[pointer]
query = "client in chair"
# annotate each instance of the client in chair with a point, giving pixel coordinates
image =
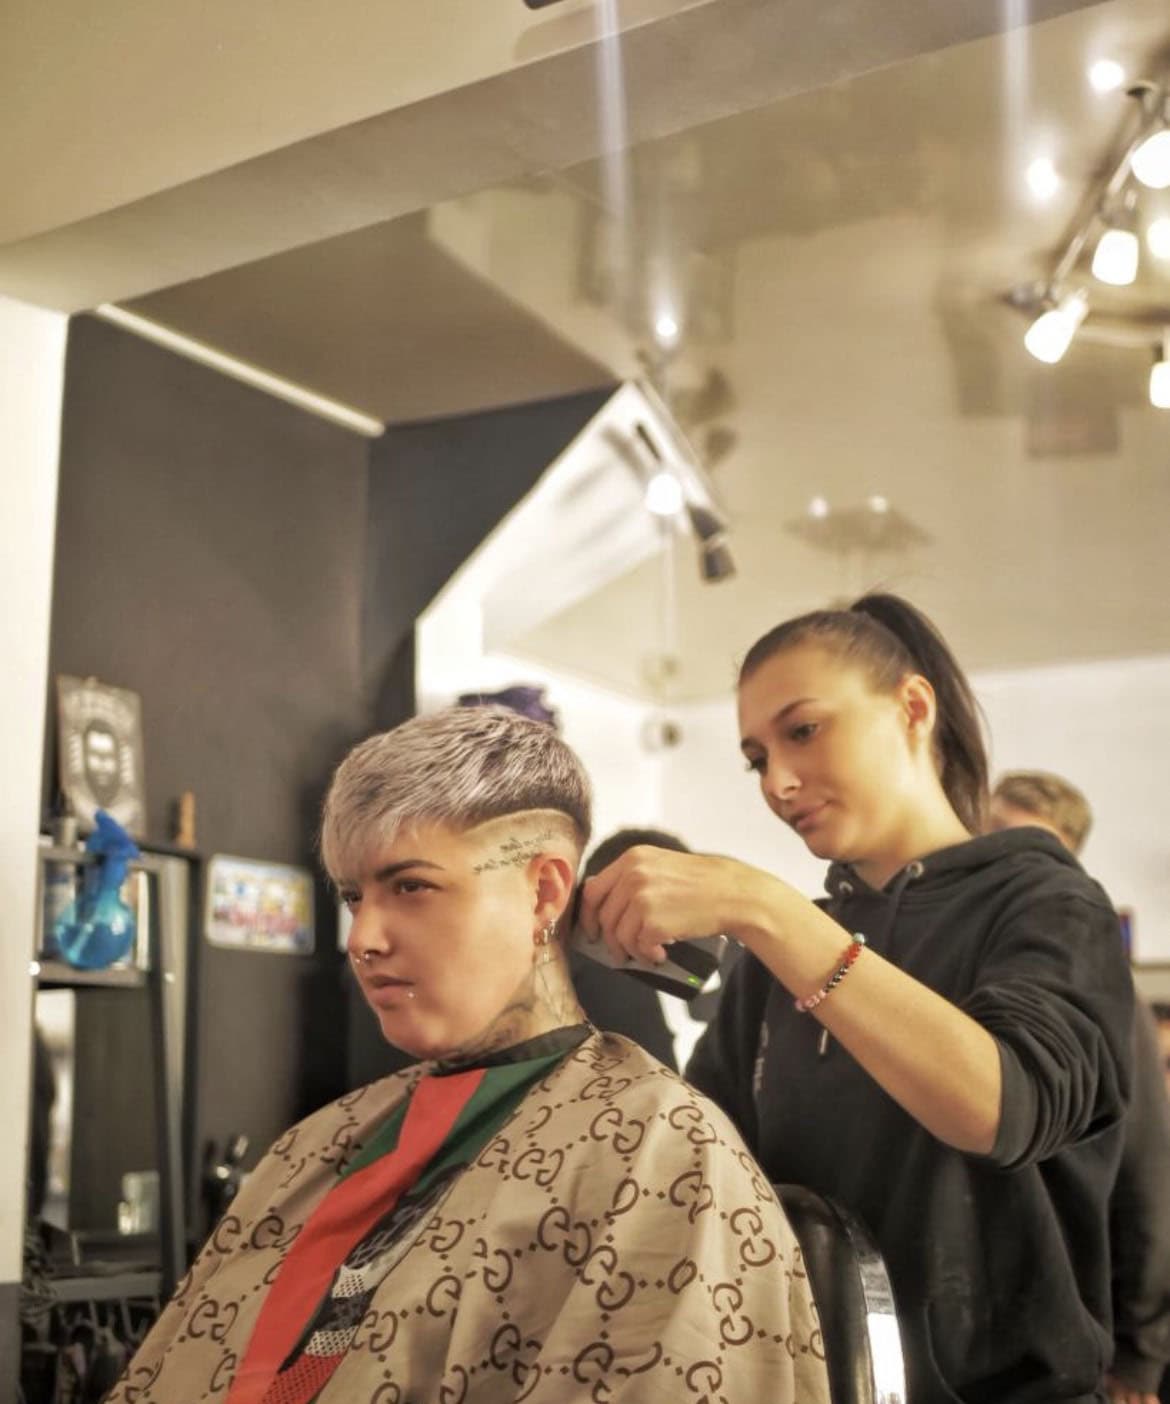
(539, 1211)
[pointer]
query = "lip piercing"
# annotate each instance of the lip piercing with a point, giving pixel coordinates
(365, 958)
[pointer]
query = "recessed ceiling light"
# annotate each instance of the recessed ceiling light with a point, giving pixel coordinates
(818, 507)
(1158, 237)
(1042, 177)
(666, 327)
(664, 494)
(1106, 75)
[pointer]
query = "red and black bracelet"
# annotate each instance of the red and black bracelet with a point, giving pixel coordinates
(811, 1001)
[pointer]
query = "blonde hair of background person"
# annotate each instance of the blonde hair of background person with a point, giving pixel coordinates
(951, 1079)
(539, 1210)
(1039, 797)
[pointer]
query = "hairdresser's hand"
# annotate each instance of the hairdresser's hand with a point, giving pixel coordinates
(650, 897)
(1121, 1393)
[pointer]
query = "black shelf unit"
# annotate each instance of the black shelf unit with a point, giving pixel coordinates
(57, 975)
(169, 876)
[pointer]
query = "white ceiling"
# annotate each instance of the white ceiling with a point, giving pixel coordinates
(834, 209)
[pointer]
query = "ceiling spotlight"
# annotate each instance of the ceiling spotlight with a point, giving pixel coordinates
(715, 561)
(1160, 377)
(1158, 237)
(879, 504)
(664, 494)
(818, 507)
(1051, 334)
(1043, 180)
(1116, 258)
(1151, 161)
(1106, 76)
(666, 328)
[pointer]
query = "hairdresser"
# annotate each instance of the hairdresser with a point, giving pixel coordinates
(942, 1043)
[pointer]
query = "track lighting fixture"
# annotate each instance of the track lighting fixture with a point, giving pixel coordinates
(1116, 258)
(1151, 160)
(677, 486)
(1158, 237)
(1111, 215)
(1051, 334)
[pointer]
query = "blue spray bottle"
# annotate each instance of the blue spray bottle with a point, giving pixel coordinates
(98, 928)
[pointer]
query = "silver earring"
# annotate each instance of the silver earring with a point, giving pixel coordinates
(543, 941)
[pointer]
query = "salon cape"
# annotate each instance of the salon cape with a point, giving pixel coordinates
(613, 1240)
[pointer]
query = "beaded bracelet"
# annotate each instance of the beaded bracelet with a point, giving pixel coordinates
(811, 1001)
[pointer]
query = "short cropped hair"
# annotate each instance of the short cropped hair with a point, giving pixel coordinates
(610, 849)
(459, 767)
(1050, 798)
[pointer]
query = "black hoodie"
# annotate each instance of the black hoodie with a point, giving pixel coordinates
(999, 1263)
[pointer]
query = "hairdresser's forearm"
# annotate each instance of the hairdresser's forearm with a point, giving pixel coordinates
(937, 1063)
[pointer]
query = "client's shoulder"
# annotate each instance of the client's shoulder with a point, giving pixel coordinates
(609, 1072)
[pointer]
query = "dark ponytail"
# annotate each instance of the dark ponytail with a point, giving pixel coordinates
(890, 638)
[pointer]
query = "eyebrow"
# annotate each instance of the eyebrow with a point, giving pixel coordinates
(779, 716)
(392, 870)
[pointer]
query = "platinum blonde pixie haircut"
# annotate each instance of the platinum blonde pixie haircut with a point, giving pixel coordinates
(459, 767)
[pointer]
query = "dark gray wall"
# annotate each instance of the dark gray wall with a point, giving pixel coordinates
(210, 557)
(255, 574)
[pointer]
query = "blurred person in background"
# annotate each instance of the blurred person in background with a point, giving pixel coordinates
(1139, 1219)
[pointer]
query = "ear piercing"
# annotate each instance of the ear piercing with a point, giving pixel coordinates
(543, 942)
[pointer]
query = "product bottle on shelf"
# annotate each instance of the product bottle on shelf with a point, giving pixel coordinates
(98, 928)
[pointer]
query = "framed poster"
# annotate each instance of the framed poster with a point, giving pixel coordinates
(259, 906)
(99, 731)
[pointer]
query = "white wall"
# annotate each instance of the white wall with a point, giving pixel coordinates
(1106, 727)
(32, 364)
(711, 799)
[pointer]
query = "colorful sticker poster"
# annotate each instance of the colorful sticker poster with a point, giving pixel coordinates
(259, 906)
(100, 744)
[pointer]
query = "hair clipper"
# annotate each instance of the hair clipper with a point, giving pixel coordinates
(688, 966)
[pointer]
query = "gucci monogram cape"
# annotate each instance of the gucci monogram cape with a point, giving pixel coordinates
(582, 1227)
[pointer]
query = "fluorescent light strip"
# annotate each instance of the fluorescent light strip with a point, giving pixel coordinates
(242, 370)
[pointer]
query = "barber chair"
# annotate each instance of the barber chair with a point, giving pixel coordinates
(855, 1302)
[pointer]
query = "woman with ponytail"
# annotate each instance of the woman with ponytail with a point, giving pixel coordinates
(942, 1043)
